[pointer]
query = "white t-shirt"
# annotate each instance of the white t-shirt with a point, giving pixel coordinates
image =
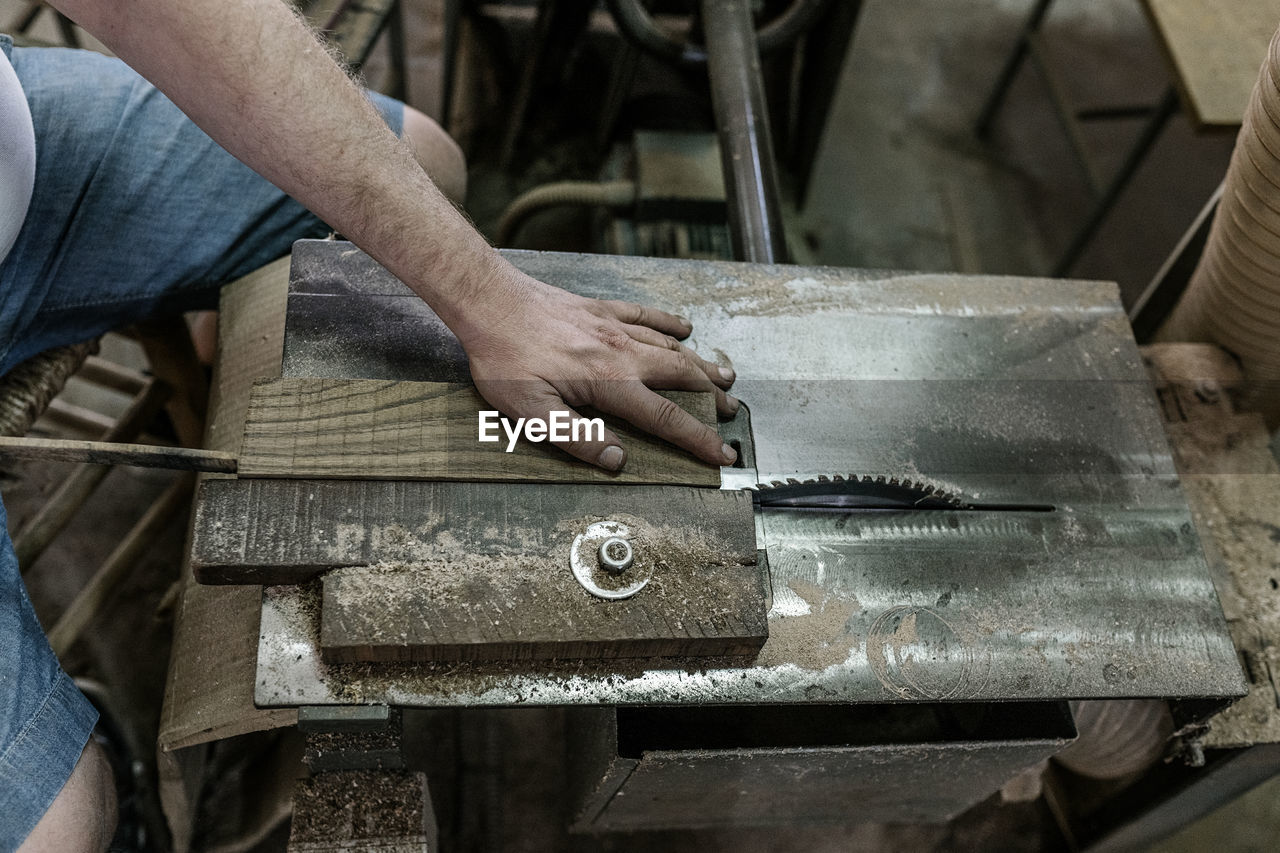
(17, 156)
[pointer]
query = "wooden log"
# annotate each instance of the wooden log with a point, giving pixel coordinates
(377, 429)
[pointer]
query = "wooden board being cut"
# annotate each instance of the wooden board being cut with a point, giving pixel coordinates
(485, 574)
(376, 429)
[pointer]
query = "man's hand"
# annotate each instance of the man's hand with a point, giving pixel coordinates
(535, 349)
(256, 80)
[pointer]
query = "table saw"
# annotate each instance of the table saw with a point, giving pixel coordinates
(1063, 563)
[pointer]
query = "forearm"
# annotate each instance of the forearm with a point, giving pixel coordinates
(255, 79)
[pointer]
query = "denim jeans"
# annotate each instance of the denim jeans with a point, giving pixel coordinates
(135, 212)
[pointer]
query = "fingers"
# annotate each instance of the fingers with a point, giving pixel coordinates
(598, 446)
(642, 315)
(659, 416)
(663, 330)
(722, 376)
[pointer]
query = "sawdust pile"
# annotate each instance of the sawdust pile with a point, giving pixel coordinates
(816, 640)
(351, 805)
(699, 587)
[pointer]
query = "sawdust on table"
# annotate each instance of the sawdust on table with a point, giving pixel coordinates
(818, 639)
(520, 681)
(761, 291)
(681, 560)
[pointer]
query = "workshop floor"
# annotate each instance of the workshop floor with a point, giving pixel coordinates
(899, 182)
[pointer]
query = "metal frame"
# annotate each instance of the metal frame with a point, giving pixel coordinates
(746, 143)
(1106, 191)
(1171, 280)
(869, 325)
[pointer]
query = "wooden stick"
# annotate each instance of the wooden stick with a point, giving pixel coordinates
(109, 453)
(62, 505)
(101, 371)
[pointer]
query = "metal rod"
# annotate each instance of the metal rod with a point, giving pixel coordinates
(1010, 70)
(451, 35)
(1116, 113)
(1167, 286)
(68, 30)
(399, 87)
(1066, 112)
(26, 18)
(1150, 133)
(742, 119)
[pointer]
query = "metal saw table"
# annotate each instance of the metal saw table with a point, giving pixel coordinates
(1004, 390)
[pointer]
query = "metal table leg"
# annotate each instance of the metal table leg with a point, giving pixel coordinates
(1167, 107)
(1011, 68)
(746, 146)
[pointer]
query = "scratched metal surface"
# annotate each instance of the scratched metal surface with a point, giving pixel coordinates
(1002, 389)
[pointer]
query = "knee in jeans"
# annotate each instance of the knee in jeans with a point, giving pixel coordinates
(83, 815)
(438, 154)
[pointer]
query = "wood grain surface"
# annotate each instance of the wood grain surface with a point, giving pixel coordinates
(1216, 50)
(500, 586)
(209, 692)
(376, 429)
(116, 453)
(274, 531)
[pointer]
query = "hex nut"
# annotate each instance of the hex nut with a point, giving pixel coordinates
(616, 555)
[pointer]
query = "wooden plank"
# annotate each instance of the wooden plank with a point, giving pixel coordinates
(1215, 49)
(117, 453)
(288, 531)
(489, 578)
(209, 692)
(172, 356)
(379, 429)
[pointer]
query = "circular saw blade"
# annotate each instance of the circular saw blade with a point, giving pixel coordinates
(855, 492)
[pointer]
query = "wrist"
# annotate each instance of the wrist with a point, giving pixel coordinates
(480, 296)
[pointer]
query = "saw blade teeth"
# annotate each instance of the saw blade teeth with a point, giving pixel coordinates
(924, 494)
